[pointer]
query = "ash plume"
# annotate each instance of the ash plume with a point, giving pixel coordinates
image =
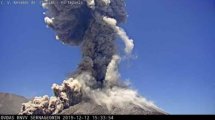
(93, 25)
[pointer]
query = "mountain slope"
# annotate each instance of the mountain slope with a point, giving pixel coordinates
(11, 103)
(95, 109)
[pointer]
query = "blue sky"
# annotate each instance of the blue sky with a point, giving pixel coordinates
(174, 45)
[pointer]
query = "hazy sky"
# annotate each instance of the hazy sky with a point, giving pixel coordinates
(174, 49)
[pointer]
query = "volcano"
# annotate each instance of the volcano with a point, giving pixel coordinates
(95, 87)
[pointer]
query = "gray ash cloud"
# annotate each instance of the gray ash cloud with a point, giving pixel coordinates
(80, 23)
(93, 25)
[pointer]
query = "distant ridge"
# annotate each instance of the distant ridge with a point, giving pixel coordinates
(11, 103)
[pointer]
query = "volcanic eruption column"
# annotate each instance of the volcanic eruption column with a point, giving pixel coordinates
(94, 26)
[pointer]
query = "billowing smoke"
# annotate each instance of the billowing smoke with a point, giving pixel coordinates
(93, 25)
